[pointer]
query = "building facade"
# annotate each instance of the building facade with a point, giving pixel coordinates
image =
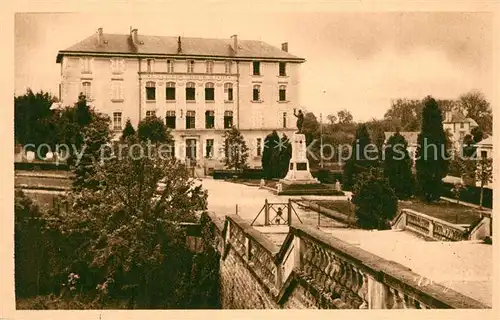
(199, 87)
(458, 127)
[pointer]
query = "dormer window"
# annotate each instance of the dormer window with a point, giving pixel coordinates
(190, 66)
(210, 66)
(170, 66)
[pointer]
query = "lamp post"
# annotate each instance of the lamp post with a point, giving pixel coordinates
(321, 139)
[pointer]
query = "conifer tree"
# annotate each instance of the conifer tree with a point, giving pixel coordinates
(128, 131)
(397, 166)
(235, 150)
(432, 155)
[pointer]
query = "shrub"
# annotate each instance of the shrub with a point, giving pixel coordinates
(376, 202)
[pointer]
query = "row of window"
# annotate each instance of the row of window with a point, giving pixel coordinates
(118, 66)
(170, 92)
(170, 119)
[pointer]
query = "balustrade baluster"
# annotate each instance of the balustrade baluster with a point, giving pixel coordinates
(363, 291)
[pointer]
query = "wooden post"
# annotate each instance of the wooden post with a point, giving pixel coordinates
(266, 213)
(289, 213)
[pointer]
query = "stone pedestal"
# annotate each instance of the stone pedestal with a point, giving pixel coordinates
(298, 168)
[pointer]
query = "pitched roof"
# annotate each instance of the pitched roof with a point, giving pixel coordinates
(485, 142)
(163, 45)
(472, 122)
(410, 136)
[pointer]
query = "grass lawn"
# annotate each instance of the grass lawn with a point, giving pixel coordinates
(341, 206)
(444, 210)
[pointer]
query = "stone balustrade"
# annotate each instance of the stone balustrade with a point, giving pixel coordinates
(327, 272)
(428, 226)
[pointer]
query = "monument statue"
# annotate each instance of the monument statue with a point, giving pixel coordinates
(300, 119)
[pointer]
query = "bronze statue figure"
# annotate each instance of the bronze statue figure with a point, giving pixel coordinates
(300, 119)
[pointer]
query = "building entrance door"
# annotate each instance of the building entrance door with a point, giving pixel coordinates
(191, 150)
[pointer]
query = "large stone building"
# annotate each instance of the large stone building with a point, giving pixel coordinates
(200, 87)
(458, 127)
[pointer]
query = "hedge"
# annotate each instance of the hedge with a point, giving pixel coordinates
(40, 166)
(472, 194)
(323, 175)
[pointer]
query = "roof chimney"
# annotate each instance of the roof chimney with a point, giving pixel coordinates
(234, 45)
(179, 45)
(133, 35)
(99, 36)
(284, 46)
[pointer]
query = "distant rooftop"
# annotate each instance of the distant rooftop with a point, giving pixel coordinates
(169, 45)
(410, 136)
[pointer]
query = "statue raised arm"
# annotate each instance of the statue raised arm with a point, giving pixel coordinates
(300, 119)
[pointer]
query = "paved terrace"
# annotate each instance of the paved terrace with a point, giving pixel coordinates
(464, 266)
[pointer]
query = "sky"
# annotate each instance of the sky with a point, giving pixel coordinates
(354, 60)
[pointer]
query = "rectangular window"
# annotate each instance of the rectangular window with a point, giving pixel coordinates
(150, 65)
(284, 119)
(256, 68)
(282, 93)
(228, 119)
(461, 125)
(170, 66)
(282, 69)
(117, 90)
(484, 154)
(228, 91)
(190, 120)
(210, 66)
(209, 119)
(170, 119)
(117, 121)
(259, 147)
(256, 93)
(170, 149)
(209, 148)
(117, 65)
(190, 66)
(150, 91)
(228, 67)
(209, 92)
(190, 91)
(170, 91)
(150, 113)
(86, 65)
(87, 90)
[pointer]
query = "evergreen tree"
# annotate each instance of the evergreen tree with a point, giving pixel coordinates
(397, 166)
(363, 156)
(284, 155)
(432, 154)
(128, 131)
(153, 128)
(269, 159)
(375, 200)
(235, 150)
(484, 173)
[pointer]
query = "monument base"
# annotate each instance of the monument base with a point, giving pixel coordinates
(298, 169)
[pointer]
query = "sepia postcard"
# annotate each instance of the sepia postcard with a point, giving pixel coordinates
(224, 158)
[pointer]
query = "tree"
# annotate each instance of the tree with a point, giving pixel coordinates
(332, 118)
(484, 174)
(363, 156)
(375, 201)
(432, 152)
(405, 114)
(269, 159)
(284, 155)
(457, 190)
(128, 131)
(125, 235)
(478, 108)
(33, 118)
(235, 150)
(344, 116)
(397, 166)
(152, 128)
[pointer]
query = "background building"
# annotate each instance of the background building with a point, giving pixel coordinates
(200, 87)
(459, 126)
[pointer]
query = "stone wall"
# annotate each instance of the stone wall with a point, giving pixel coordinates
(314, 270)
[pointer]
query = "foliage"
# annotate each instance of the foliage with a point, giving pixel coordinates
(478, 108)
(128, 131)
(406, 114)
(375, 200)
(457, 190)
(432, 153)
(125, 235)
(276, 155)
(484, 174)
(344, 116)
(363, 156)
(397, 166)
(33, 121)
(152, 128)
(235, 150)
